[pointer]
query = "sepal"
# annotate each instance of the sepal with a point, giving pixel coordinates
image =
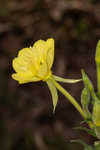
(85, 100)
(54, 93)
(60, 79)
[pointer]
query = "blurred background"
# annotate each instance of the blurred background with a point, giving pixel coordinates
(27, 121)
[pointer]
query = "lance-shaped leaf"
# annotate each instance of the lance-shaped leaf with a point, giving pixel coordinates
(54, 93)
(60, 79)
(97, 60)
(88, 85)
(85, 100)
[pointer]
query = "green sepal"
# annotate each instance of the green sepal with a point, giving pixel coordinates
(96, 113)
(54, 93)
(87, 82)
(97, 56)
(97, 60)
(86, 146)
(60, 79)
(85, 100)
(96, 118)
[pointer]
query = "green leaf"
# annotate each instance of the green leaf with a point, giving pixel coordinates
(96, 118)
(60, 79)
(54, 93)
(97, 60)
(85, 100)
(97, 56)
(96, 113)
(86, 146)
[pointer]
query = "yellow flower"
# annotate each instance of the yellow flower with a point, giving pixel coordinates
(34, 63)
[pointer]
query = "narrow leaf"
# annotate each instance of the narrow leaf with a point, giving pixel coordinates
(97, 60)
(60, 79)
(54, 93)
(97, 56)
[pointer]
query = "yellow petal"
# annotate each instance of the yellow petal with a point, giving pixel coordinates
(24, 77)
(39, 49)
(50, 52)
(19, 64)
(29, 56)
(26, 52)
(26, 61)
(43, 71)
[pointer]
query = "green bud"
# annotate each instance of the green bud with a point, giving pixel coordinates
(87, 82)
(85, 100)
(97, 56)
(96, 113)
(97, 60)
(96, 118)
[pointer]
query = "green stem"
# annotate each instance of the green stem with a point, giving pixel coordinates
(69, 97)
(98, 78)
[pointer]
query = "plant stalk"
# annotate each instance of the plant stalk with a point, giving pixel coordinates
(98, 78)
(69, 97)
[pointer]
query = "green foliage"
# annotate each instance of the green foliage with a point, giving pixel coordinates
(97, 56)
(89, 92)
(97, 60)
(96, 113)
(85, 100)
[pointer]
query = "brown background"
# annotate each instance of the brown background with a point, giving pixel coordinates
(26, 118)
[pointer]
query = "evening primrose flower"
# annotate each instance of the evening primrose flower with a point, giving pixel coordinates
(34, 64)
